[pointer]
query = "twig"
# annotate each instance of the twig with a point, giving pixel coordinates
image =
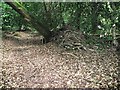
(71, 55)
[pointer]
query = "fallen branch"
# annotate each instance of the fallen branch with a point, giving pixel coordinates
(71, 55)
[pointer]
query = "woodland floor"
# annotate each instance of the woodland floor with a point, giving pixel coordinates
(26, 63)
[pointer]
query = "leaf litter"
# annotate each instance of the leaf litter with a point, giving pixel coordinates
(64, 63)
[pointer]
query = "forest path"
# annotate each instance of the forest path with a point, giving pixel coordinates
(28, 64)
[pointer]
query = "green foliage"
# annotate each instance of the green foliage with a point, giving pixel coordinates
(11, 19)
(90, 18)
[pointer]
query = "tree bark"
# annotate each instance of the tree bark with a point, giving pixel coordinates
(94, 20)
(78, 14)
(43, 30)
(47, 8)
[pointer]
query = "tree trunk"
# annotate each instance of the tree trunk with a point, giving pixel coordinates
(61, 17)
(78, 14)
(30, 19)
(47, 8)
(94, 18)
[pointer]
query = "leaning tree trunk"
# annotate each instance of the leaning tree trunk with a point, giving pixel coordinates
(30, 19)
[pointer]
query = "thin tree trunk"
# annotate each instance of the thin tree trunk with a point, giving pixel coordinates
(94, 20)
(78, 14)
(60, 6)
